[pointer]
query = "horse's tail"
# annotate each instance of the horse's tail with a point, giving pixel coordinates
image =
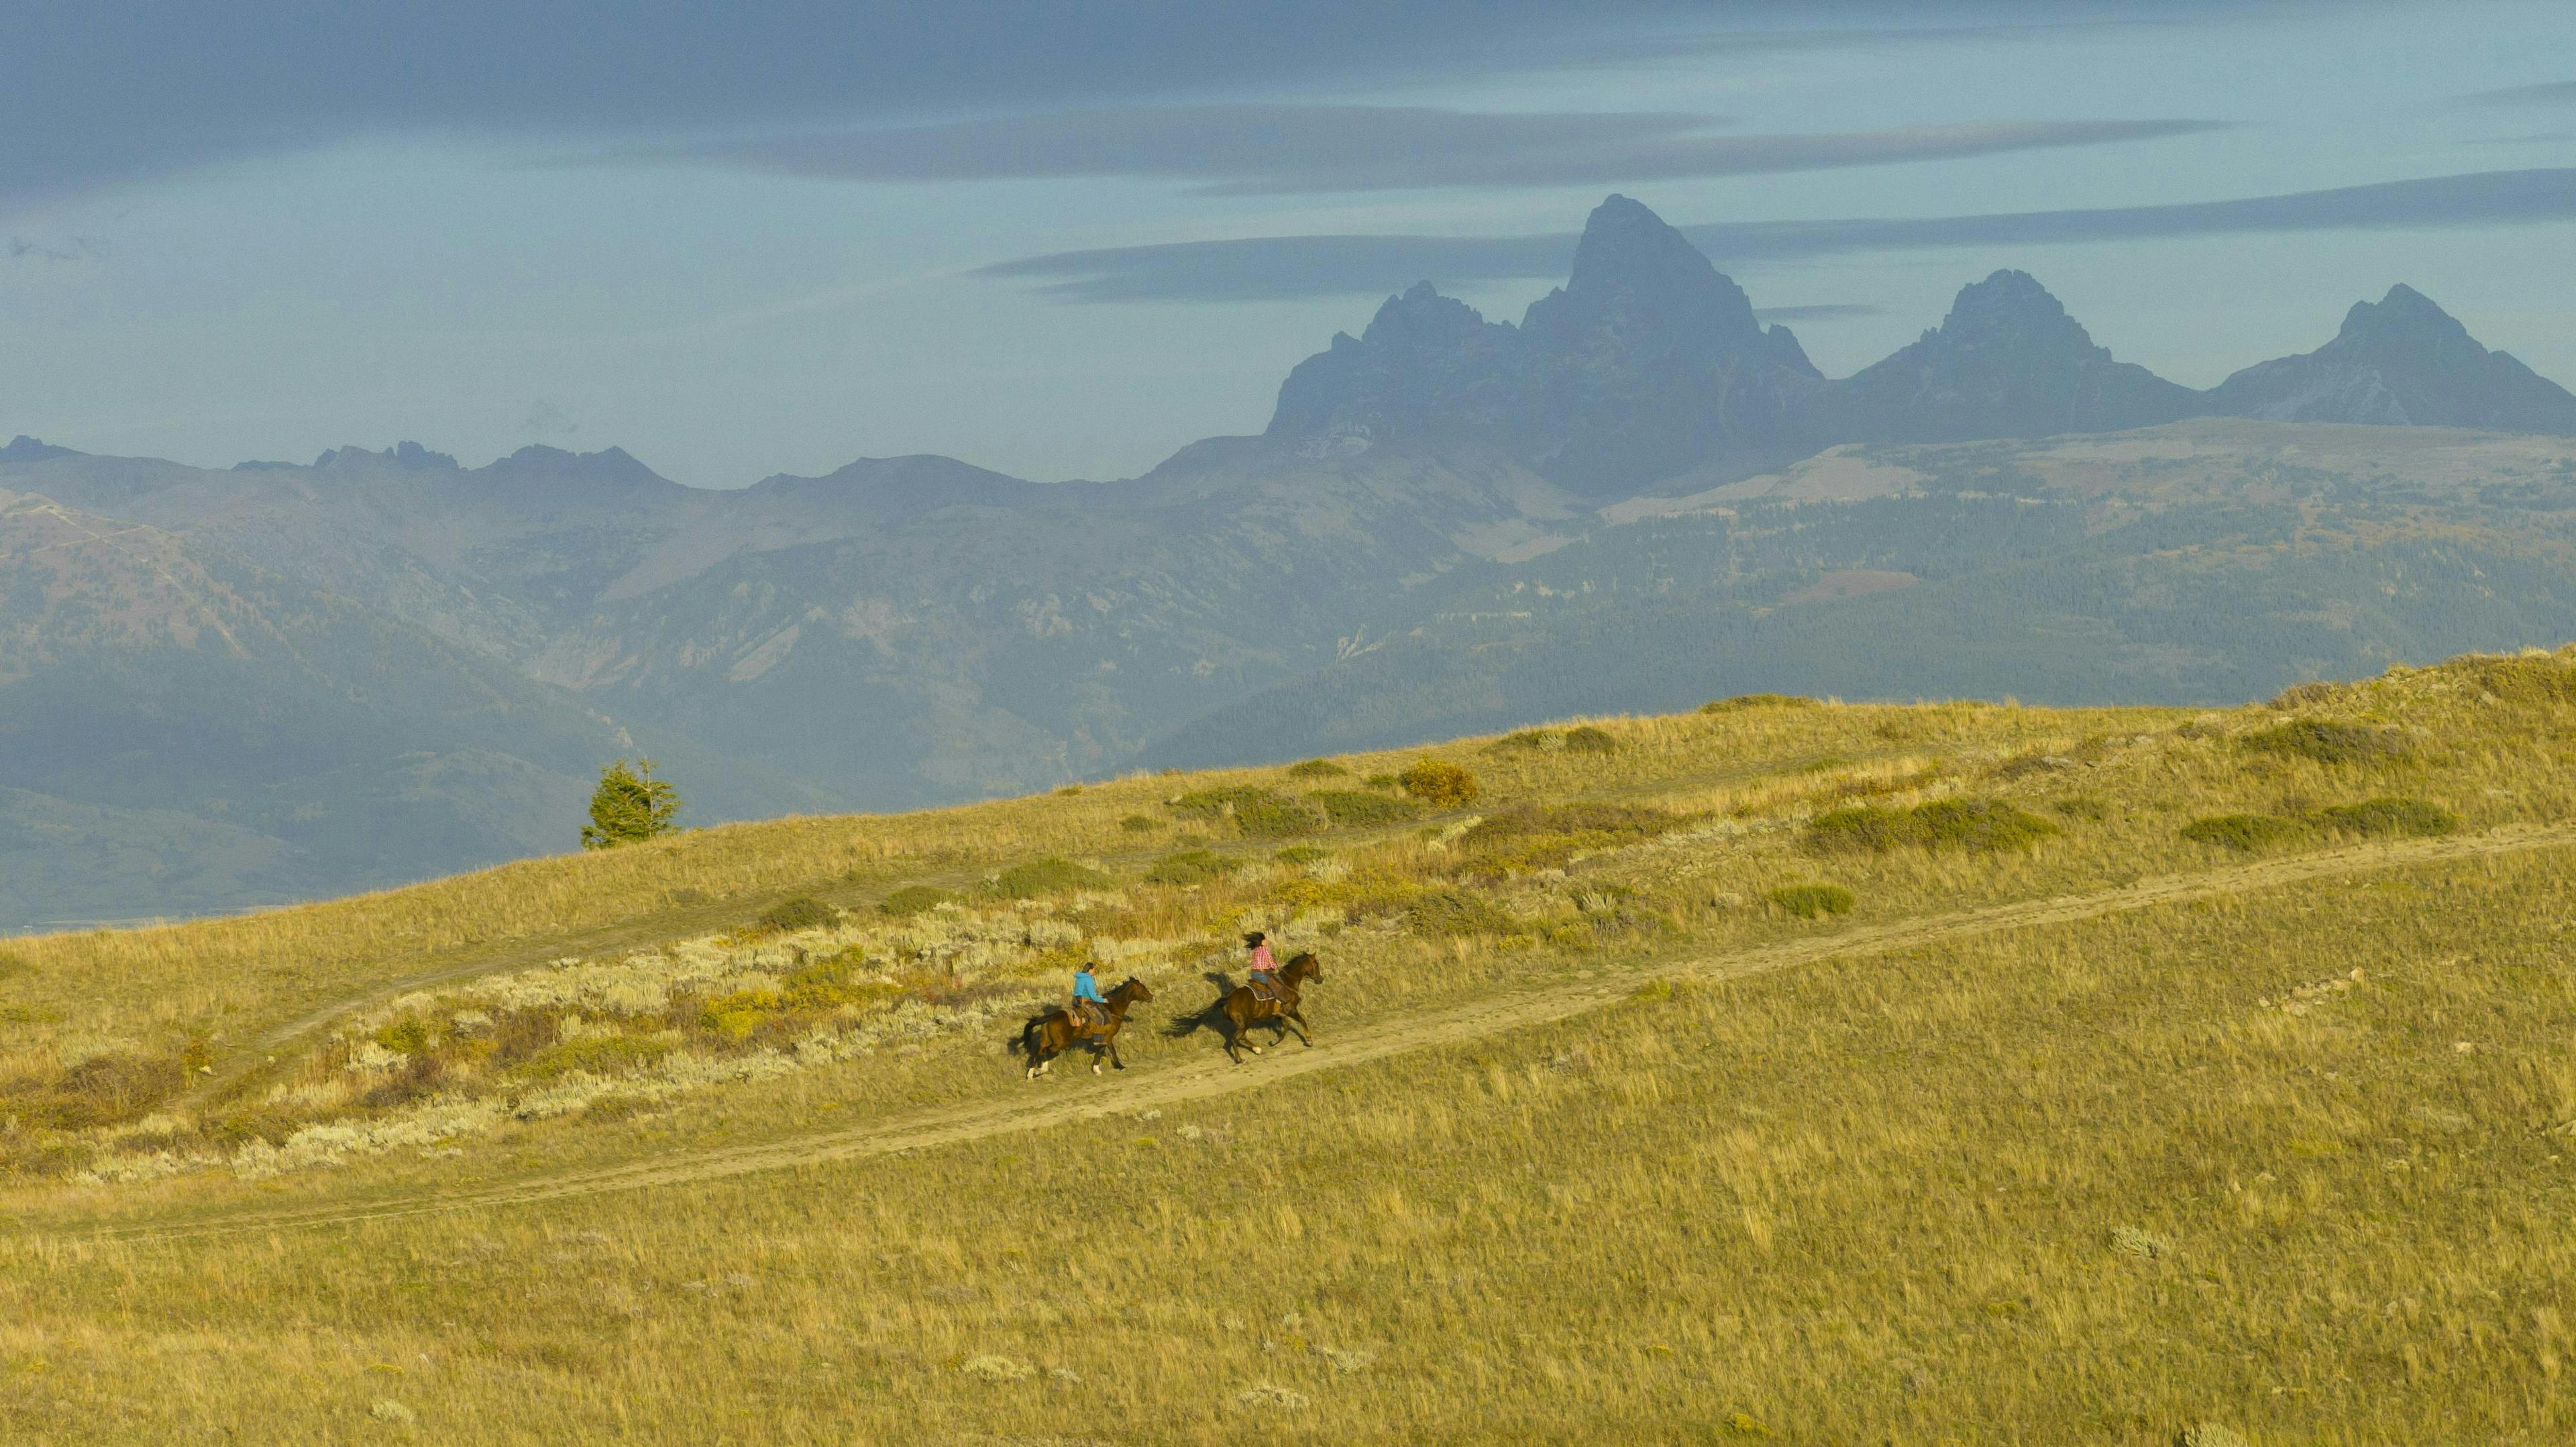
(1027, 1044)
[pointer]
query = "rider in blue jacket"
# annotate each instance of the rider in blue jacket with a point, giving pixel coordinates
(1088, 1007)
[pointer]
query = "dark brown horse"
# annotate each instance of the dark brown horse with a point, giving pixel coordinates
(1241, 1009)
(1053, 1033)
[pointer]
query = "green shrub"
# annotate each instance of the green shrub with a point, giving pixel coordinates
(1139, 824)
(2415, 818)
(1302, 854)
(1548, 836)
(1743, 701)
(1438, 784)
(596, 1055)
(1590, 740)
(2245, 833)
(912, 899)
(1217, 802)
(800, 913)
(1353, 809)
(1316, 769)
(1869, 828)
(406, 1036)
(1530, 739)
(1813, 901)
(1192, 866)
(1446, 913)
(1982, 825)
(1047, 876)
(1277, 817)
(2328, 742)
(1258, 812)
(1985, 825)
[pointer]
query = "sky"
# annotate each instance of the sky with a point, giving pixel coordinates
(1063, 241)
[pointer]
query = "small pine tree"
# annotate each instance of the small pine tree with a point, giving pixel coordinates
(630, 805)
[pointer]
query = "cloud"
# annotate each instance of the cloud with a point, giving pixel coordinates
(100, 91)
(2553, 92)
(1271, 149)
(1267, 268)
(76, 248)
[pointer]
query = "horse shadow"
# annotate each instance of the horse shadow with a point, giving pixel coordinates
(1210, 1016)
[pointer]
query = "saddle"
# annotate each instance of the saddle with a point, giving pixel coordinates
(1266, 989)
(1088, 1016)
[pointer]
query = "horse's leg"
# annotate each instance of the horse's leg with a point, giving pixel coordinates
(1111, 1041)
(1302, 1036)
(1233, 1034)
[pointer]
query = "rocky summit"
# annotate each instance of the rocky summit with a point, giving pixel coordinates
(1647, 363)
(2007, 362)
(2401, 362)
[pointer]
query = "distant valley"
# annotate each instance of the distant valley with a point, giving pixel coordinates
(229, 688)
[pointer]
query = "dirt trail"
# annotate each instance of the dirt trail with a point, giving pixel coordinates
(1214, 1076)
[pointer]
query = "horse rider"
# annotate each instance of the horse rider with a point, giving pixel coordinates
(1265, 970)
(1089, 1010)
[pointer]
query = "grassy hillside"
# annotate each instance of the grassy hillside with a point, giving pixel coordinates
(1782, 1071)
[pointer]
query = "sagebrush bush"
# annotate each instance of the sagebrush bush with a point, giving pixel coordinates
(1530, 739)
(1316, 769)
(2245, 833)
(1047, 876)
(1217, 802)
(801, 913)
(1351, 808)
(1449, 913)
(1981, 825)
(1277, 817)
(1589, 740)
(1257, 812)
(912, 899)
(1192, 866)
(1812, 901)
(1439, 784)
(1548, 836)
(607, 1054)
(2413, 818)
(2327, 741)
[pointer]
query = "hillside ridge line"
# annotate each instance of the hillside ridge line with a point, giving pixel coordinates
(1215, 1076)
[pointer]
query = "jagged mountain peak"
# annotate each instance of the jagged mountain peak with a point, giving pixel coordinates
(1422, 317)
(1634, 274)
(2011, 308)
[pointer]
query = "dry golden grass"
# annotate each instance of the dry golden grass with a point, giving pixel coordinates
(2098, 1181)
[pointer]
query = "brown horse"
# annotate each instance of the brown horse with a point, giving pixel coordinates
(1055, 1032)
(1240, 1009)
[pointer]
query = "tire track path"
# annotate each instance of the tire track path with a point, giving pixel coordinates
(1215, 1076)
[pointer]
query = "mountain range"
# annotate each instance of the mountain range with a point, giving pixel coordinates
(231, 687)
